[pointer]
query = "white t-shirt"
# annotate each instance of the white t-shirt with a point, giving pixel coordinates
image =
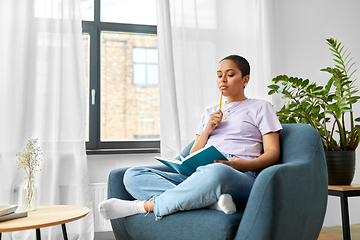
(240, 133)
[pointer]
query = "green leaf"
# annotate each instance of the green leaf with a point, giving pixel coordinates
(305, 83)
(341, 49)
(271, 92)
(343, 69)
(346, 109)
(311, 87)
(345, 82)
(328, 69)
(273, 87)
(329, 84)
(318, 88)
(352, 100)
(339, 62)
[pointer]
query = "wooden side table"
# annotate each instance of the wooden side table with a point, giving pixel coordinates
(345, 191)
(45, 216)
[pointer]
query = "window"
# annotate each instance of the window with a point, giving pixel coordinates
(120, 49)
(145, 67)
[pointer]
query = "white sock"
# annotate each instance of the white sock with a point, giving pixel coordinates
(117, 208)
(225, 204)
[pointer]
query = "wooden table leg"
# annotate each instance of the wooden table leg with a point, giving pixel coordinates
(38, 235)
(64, 231)
(345, 217)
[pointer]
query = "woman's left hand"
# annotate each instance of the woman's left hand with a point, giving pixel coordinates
(239, 164)
(271, 146)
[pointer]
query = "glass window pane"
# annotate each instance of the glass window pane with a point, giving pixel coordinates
(139, 74)
(128, 111)
(87, 10)
(144, 11)
(139, 55)
(86, 43)
(152, 75)
(152, 55)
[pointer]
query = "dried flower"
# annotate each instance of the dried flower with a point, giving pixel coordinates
(29, 159)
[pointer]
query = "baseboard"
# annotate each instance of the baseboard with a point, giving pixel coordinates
(109, 235)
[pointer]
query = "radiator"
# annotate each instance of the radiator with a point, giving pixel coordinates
(98, 194)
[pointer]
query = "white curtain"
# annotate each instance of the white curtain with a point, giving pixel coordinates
(193, 36)
(42, 94)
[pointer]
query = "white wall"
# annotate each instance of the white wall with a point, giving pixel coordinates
(101, 165)
(299, 49)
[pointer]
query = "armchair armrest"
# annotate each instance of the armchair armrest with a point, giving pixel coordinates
(116, 189)
(287, 201)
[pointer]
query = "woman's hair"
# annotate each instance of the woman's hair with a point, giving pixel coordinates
(241, 63)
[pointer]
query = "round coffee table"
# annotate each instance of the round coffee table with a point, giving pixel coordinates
(45, 216)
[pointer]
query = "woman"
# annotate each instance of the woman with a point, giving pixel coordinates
(245, 130)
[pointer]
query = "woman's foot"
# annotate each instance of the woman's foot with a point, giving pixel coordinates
(116, 208)
(225, 204)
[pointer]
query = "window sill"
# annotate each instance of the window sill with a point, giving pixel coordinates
(122, 151)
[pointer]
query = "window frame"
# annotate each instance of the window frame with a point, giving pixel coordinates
(94, 145)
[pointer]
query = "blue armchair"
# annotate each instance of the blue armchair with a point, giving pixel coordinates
(287, 201)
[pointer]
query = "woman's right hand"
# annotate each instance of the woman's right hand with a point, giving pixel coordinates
(214, 121)
(201, 140)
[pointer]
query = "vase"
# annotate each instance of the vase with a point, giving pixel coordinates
(341, 167)
(29, 193)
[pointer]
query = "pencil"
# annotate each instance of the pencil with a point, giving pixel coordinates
(220, 101)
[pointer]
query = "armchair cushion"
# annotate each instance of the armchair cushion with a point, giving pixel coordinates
(185, 225)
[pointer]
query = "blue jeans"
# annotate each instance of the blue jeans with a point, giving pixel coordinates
(174, 192)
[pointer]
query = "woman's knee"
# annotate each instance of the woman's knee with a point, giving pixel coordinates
(131, 175)
(217, 171)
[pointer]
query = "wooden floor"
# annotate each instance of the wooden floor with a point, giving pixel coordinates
(327, 236)
(327, 233)
(335, 233)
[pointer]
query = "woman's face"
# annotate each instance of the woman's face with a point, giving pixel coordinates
(230, 81)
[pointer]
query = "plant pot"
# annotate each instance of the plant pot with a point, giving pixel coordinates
(340, 166)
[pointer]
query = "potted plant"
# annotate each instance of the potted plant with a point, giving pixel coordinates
(329, 109)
